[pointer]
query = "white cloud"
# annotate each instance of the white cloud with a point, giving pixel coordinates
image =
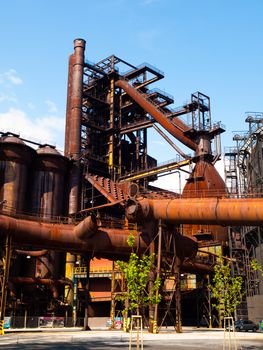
(52, 122)
(46, 129)
(10, 76)
(52, 107)
(7, 97)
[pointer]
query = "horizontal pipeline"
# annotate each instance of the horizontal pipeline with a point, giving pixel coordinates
(67, 237)
(213, 211)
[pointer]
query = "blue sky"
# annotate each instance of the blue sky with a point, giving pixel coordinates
(214, 46)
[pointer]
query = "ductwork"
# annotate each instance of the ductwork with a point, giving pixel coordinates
(66, 237)
(33, 253)
(213, 211)
(52, 284)
(84, 238)
(175, 128)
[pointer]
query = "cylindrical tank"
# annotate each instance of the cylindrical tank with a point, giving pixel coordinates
(15, 158)
(205, 181)
(50, 168)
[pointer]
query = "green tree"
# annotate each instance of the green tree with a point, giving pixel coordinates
(226, 290)
(256, 266)
(136, 274)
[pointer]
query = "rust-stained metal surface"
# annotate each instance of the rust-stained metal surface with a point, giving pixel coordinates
(205, 181)
(51, 283)
(175, 128)
(76, 80)
(15, 159)
(73, 125)
(66, 237)
(48, 199)
(84, 237)
(68, 109)
(48, 186)
(33, 253)
(214, 211)
(107, 168)
(111, 190)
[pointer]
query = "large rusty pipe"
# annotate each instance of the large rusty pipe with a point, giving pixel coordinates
(175, 128)
(105, 242)
(74, 132)
(33, 253)
(64, 238)
(52, 284)
(76, 98)
(86, 228)
(213, 211)
(44, 281)
(68, 111)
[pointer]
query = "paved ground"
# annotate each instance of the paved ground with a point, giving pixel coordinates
(191, 338)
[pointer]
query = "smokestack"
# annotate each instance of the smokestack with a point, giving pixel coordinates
(76, 98)
(73, 124)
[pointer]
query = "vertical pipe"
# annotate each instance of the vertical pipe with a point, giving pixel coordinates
(137, 151)
(151, 282)
(76, 98)
(75, 122)
(75, 291)
(69, 274)
(178, 316)
(158, 266)
(68, 112)
(113, 295)
(5, 277)
(87, 291)
(209, 302)
(111, 140)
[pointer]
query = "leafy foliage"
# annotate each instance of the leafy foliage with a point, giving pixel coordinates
(136, 274)
(226, 290)
(256, 266)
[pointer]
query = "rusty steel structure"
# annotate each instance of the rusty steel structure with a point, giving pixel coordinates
(58, 210)
(244, 174)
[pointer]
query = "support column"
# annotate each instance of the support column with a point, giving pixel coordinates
(69, 273)
(111, 138)
(159, 260)
(151, 281)
(178, 316)
(87, 294)
(113, 287)
(153, 309)
(209, 302)
(5, 280)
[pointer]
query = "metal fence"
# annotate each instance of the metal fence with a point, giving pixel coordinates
(19, 322)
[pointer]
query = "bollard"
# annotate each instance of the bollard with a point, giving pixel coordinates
(124, 325)
(154, 327)
(128, 325)
(2, 322)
